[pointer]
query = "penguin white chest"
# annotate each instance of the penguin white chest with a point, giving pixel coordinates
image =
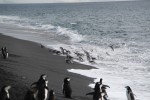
(46, 94)
(128, 95)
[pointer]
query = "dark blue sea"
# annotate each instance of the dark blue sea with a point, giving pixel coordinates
(96, 28)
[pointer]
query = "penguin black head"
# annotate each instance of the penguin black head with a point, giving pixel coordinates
(101, 80)
(43, 76)
(128, 88)
(67, 79)
(51, 92)
(97, 86)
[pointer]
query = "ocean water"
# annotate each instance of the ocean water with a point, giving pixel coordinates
(93, 27)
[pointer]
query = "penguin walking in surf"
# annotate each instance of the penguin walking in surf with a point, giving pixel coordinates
(96, 94)
(104, 95)
(66, 87)
(129, 93)
(4, 93)
(99, 91)
(69, 59)
(51, 95)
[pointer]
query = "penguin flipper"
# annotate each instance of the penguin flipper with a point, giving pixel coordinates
(132, 96)
(90, 93)
(106, 86)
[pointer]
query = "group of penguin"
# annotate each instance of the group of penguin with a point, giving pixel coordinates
(4, 52)
(39, 91)
(69, 58)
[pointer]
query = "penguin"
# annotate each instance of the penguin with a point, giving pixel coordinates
(42, 87)
(67, 91)
(40, 81)
(99, 91)
(96, 94)
(51, 95)
(129, 93)
(43, 91)
(63, 51)
(31, 93)
(4, 93)
(104, 93)
(79, 55)
(4, 52)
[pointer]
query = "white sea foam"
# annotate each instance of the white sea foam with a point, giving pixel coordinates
(128, 64)
(39, 28)
(73, 35)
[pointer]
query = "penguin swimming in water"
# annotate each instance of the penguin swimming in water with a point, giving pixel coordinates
(67, 91)
(4, 93)
(51, 95)
(129, 93)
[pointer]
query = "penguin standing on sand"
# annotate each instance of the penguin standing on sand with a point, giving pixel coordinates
(4, 93)
(67, 91)
(129, 93)
(4, 52)
(42, 87)
(51, 95)
(41, 81)
(43, 91)
(31, 93)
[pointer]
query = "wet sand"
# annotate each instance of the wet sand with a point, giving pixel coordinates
(27, 61)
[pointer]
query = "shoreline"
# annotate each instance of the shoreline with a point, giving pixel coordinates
(27, 61)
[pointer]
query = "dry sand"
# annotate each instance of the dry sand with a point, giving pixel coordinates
(27, 61)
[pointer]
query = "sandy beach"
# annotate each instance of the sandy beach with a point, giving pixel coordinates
(27, 61)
